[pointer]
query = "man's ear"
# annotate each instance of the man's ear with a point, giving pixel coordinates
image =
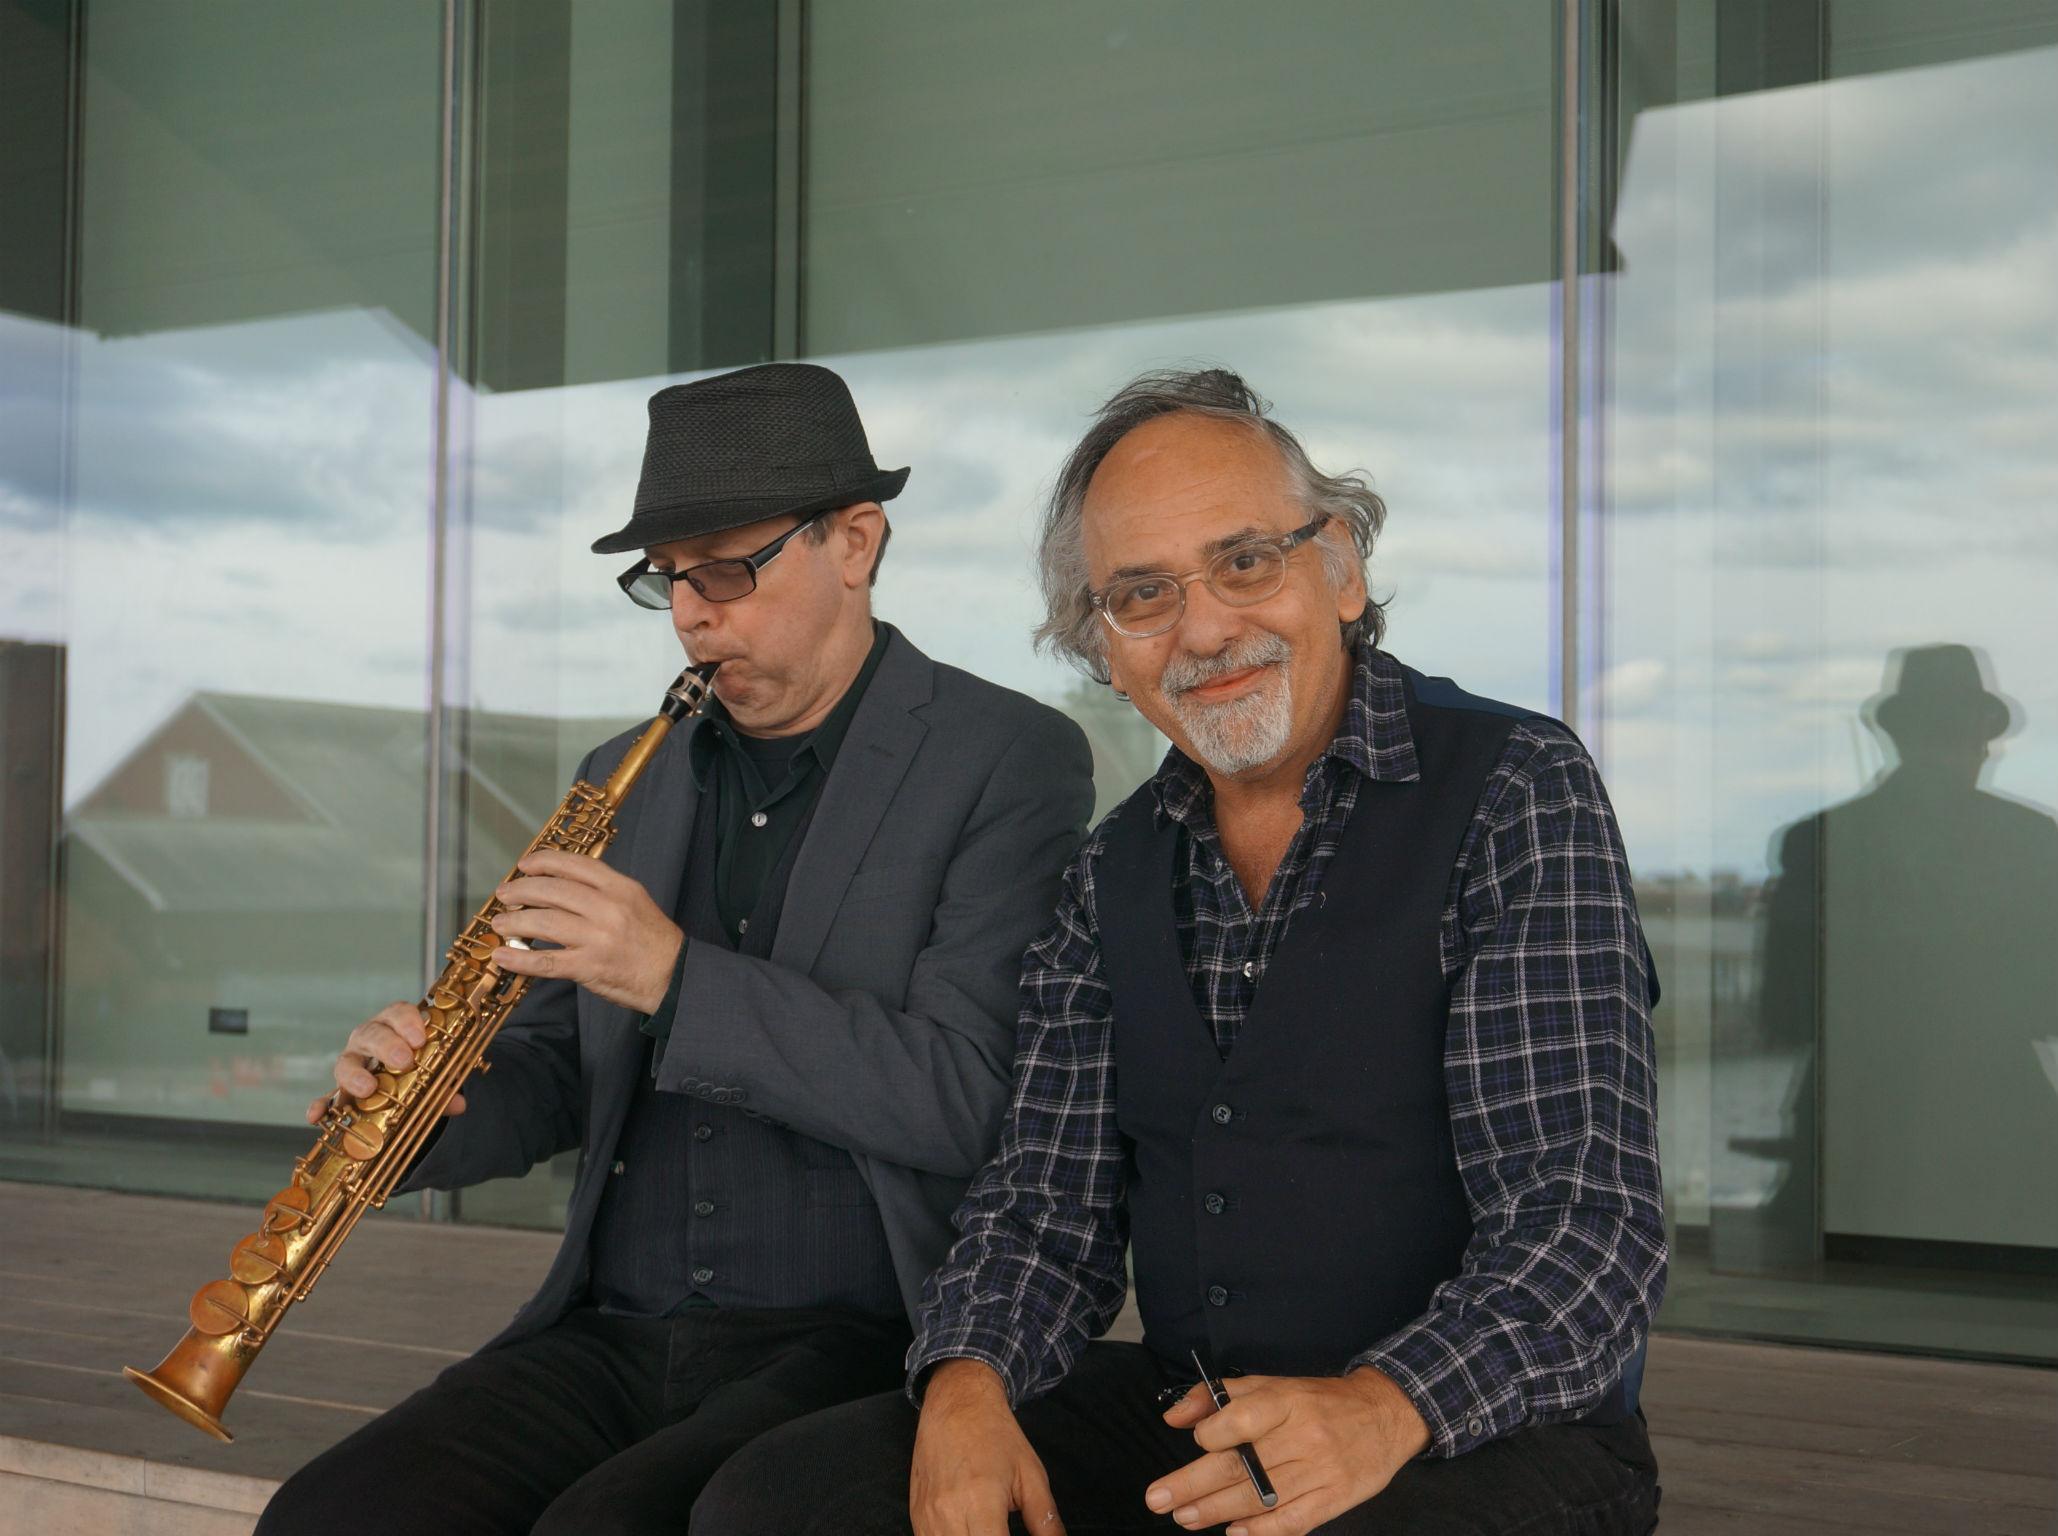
(864, 530)
(1352, 598)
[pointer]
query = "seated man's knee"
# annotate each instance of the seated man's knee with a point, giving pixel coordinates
(750, 1494)
(803, 1479)
(309, 1502)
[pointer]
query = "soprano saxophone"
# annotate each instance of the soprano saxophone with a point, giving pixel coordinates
(363, 1147)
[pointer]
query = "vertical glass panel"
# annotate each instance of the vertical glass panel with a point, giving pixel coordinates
(223, 528)
(1354, 211)
(1832, 707)
(625, 168)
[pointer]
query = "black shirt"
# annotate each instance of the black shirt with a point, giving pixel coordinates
(761, 792)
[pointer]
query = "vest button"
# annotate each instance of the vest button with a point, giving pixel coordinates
(702, 1132)
(703, 1207)
(758, 818)
(620, 1166)
(1215, 1204)
(702, 1275)
(1222, 1114)
(1217, 1296)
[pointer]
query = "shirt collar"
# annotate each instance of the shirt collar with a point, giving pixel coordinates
(719, 732)
(1374, 740)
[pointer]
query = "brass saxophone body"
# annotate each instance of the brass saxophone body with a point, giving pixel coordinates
(363, 1148)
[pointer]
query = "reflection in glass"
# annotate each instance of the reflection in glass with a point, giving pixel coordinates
(1828, 452)
(233, 558)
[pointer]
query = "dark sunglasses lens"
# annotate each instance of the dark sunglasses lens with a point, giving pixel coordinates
(723, 581)
(648, 589)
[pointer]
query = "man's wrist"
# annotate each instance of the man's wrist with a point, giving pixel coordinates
(959, 1379)
(661, 988)
(1407, 1429)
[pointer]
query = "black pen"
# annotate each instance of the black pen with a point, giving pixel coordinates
(1244, 1452)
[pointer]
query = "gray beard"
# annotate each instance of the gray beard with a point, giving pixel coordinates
(1241, 734)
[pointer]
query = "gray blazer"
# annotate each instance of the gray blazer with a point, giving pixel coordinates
(884, 1021)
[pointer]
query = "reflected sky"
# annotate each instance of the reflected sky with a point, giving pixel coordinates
(261, 490)
(1827, 441)
(248, 503)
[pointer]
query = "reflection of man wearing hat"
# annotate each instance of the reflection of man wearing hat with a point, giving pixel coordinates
(778, 1020)
(1910, 976)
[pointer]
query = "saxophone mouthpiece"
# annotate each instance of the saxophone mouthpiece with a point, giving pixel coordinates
(689, 692)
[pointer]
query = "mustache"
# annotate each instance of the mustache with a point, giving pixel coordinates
(1185, 672)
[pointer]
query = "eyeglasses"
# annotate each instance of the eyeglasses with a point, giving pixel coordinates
(1247, 572)
(719, 581)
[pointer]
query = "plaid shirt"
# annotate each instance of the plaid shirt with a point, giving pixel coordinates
(1547, 1066)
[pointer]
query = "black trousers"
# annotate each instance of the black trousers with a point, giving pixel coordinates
(599, 1425)
(845, 1470)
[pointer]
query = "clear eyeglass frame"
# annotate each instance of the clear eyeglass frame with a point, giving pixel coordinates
(1244, 574)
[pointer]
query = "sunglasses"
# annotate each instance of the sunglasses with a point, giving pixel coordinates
(718, 581)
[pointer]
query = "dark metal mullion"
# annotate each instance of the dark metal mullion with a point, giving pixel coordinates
(74, 203)
(442, 830)
(789, 269)
(1566, 492)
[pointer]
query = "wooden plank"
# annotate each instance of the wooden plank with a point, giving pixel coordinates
(2001, 1447)
(95, 1411)
(1677, 1518)
(1850, 1493)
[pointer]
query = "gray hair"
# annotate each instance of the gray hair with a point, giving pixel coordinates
(1071, 627)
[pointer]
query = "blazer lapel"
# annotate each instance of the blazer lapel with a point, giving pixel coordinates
(874, 758)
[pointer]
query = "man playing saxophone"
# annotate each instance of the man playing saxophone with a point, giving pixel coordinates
(776, 1019)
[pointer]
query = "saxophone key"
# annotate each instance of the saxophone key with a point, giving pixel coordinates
(384, 1087)
(362, 1138)
(285, 1211)
(258, 1259)
(219, 1307)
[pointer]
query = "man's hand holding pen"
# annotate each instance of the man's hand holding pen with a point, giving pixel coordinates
(1328, 1443)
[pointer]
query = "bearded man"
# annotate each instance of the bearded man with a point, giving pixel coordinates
(1341, 1033)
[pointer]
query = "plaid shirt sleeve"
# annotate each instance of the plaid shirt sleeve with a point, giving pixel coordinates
(1037, 1269)
(1548, 1067)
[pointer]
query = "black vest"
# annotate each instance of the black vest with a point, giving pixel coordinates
(709, 1204)
(1296, 1203)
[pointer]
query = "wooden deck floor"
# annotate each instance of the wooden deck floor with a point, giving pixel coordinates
(1756, 1440)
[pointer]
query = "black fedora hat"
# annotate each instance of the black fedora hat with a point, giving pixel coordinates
(1939, 693)
(741, 447)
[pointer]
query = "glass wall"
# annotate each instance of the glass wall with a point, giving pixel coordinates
(983, 268)
(1829, 698)
(220, 423)
(324, 355)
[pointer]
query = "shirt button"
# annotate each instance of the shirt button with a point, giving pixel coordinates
(1222, 1114)
(703, 1207)
(758, 818)
(620, 1166)
(702, 1275)
(1217, 1296)
(743, 925)
(1475, 1427)
(1215, 1204)
(702, 1132)
(1250, 970)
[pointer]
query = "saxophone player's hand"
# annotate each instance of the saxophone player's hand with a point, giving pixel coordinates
(611, 938)
(390, 1038)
